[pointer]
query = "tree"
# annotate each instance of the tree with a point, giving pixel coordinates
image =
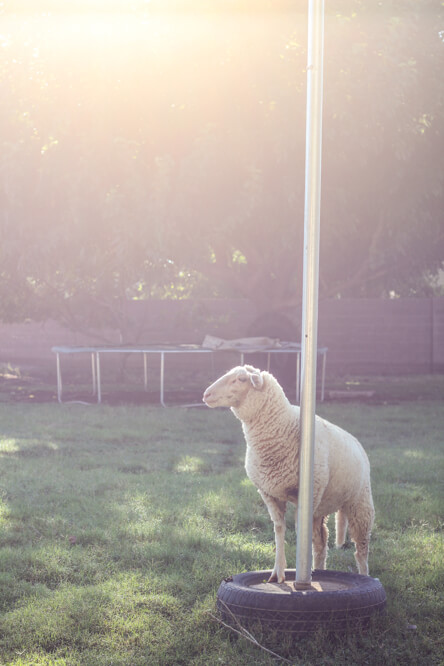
(166, 158)
(383, 147)
(382, 228)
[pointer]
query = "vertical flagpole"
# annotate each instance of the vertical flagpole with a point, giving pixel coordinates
(310, 288)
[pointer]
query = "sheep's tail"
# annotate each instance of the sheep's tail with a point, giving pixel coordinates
(341, 528)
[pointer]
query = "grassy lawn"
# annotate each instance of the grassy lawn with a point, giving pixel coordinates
(117, 525)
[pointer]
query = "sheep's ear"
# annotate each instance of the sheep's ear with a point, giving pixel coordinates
(242, 375)
(257, 380)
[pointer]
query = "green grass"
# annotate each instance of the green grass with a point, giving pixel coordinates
(118, 524)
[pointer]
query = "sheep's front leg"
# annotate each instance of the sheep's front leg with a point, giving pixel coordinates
(276, 509)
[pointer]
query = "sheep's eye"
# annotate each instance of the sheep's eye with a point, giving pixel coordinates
(242, 378)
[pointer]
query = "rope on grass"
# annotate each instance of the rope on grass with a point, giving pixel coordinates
(245, 634)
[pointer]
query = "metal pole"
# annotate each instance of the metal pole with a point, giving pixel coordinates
(310, 288)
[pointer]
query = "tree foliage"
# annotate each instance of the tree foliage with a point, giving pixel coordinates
(149, 154)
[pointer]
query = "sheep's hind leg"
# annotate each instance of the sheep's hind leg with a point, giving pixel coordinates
(320, 542)
(361, 553)
(341, 523)
(360, 525)
(276, 509)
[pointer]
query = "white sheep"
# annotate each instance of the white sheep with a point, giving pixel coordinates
(341, 467)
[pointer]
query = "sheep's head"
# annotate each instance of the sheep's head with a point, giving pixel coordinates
(231, 389)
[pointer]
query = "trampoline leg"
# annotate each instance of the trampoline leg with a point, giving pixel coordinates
(298, 377)
(145, 372)
(59, 379)
(324, 363)
(99, 388)
(162, 378)
(93, 371)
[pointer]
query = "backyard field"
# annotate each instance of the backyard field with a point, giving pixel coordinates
(117, 525)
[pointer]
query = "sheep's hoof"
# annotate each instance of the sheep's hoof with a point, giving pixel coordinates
(274, 578)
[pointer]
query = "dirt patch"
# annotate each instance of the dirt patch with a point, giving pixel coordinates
(350, 395)
(30, 390)
(371, 390)
(25, 389)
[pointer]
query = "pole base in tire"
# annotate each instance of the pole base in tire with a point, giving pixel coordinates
(336, 601)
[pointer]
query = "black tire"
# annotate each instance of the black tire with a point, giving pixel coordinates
(346, 601)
